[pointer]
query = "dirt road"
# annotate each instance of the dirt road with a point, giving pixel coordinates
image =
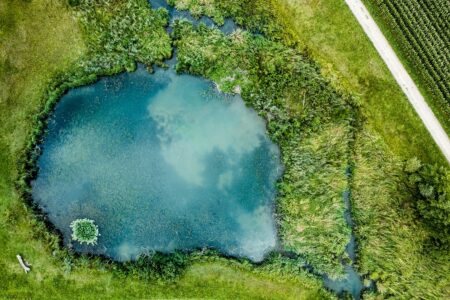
(401, 76)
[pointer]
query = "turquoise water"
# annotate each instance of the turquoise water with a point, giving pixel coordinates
(160, 162)
(163, 162)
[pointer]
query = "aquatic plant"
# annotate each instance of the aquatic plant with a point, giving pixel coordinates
(156, 265)
(84, 231)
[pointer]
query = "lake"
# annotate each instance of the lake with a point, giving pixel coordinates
(161, 162)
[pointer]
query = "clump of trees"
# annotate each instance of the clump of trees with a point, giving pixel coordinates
(84, 231)
(430, 187)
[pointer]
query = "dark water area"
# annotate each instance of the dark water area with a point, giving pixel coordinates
(160, 162)
(228, 27)
(352, 283)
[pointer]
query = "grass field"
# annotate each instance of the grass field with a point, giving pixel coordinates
(393, 247)
(333, 37)
(38, 40)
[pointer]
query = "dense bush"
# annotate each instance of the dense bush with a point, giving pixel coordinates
(157, 265)
(430, 186)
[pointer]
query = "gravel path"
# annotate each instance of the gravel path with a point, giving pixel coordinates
(401, 76)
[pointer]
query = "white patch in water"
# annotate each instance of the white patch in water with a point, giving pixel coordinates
(127, 251)
(225, 180)
(252, 243)
(193, 126)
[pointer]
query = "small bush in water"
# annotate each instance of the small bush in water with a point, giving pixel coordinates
(84, 231)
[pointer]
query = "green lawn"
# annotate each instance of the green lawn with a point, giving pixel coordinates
(333, 37)
(38, 40)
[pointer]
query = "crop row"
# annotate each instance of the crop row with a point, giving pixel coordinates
(422, 31)
(422, 38)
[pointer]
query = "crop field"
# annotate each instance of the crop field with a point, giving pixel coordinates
(419, 29)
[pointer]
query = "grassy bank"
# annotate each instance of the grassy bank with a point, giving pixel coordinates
(39, 40)
(332, 36)
(393, 244)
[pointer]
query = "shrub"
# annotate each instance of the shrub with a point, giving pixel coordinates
(430, 186)
(157, 265)
(84, 231)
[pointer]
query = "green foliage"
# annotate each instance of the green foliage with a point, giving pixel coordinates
(84, 231)
(254, 15)
(74, 2)
(157, 265)
(310, 121)
(393, 241)
(125, 30)
(430, 186)
(310, 198)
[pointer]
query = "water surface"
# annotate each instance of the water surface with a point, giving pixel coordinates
(228, 27)
(160, 162)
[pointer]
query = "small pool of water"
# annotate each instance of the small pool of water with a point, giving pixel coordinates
(228, 27)
(160, 162)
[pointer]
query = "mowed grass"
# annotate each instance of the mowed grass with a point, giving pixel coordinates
(333, 37)
(38, 39)
(209, 280)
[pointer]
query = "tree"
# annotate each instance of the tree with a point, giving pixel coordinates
(431, 189)
(84, 231)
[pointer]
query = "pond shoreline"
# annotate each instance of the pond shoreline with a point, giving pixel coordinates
(33, 150)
